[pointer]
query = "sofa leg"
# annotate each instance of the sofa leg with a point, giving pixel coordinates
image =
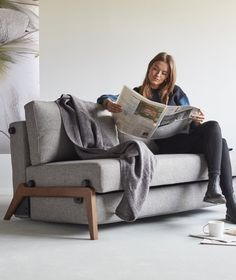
(88, 193)
(15, 202)
(92, 215)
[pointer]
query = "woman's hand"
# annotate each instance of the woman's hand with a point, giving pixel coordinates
(198, 118)
(111, 106)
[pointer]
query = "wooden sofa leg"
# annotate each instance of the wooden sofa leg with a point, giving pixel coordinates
(15, 202)
(92, 214)
(88, 193)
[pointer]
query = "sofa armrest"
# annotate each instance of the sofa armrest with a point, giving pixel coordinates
(20, 159)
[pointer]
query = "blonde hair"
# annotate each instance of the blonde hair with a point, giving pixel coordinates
(168, 86)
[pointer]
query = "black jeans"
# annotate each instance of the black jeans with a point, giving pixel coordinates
(204, 139)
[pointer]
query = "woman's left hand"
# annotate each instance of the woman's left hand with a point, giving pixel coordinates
(198, 118)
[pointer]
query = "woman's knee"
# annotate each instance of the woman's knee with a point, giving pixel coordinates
(213, 127)
(213, 124)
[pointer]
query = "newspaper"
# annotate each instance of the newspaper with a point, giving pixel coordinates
(228, 238)
(213, 242)
(147, 119)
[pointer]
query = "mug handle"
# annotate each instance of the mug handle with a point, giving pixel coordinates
(203, 229)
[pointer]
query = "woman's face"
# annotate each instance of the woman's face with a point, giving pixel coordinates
(158, 73)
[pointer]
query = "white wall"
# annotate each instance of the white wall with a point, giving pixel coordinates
(92, 47)
(5, 175)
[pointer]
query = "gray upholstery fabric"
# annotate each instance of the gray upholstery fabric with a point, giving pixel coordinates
(107, 126)
(137, 162)
(47, 138)
(160, 201)
(104, 174)
(19, 153)
(164, 199)
(173, 189)
(20, 159)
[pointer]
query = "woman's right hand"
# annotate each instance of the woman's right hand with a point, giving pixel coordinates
(198, 118)
(112, 107)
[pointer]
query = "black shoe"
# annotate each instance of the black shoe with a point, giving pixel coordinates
(213, 194)
(231, 209)
(214, 198)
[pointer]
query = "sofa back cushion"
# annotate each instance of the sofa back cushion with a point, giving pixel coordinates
(46, 134)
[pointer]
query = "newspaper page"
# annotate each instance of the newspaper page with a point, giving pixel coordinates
(139, 116)
(147, 119)
(176, 120)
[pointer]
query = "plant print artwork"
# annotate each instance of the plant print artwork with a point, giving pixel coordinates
(19, 62)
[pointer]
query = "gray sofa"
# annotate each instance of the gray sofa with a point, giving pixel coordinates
(50, 184)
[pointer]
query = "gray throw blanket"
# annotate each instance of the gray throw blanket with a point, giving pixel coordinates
(136, 160)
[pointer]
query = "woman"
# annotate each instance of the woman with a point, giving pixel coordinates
(205, 138)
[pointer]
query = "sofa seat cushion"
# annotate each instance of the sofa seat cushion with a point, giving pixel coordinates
(104, 174)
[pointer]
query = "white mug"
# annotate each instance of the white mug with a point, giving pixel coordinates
(216, 228)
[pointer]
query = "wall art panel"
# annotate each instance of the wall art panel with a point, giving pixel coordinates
(19, 61)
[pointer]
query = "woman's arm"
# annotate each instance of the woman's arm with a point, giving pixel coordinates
(108, 102)
(182, 99)
(104, 97)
